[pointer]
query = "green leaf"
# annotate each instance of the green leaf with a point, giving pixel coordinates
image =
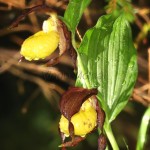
(107, 60)
(74, 12)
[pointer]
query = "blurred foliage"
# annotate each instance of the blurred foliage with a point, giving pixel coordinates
(121, 6)
(29, 113)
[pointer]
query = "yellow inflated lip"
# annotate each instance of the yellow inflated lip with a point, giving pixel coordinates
(40, 45)
(84, 121)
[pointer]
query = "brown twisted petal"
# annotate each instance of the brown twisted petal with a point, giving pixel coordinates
(101, 114)
(72, 100)
(73, 143)
(65, 37)
(102, 142)
(28, 11)
(65, 41)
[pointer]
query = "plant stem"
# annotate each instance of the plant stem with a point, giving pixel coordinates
(109, 133)
(143, 129)
(80, 64)
(84, 74)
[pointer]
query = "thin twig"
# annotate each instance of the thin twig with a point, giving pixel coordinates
(15, 3)
(149, 71)
(21, 27)
(29, 100)
(139, 99)
(45, 87)
(32, 67)
(79, 35)
(142, 88)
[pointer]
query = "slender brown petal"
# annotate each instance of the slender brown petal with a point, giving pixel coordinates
(64, 44)
(65, 41)
(28, 11)
(102, 142)
(73, 143)
(72, 100)
(65, 37)
(100, 114)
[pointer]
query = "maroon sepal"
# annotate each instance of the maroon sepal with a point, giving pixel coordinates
(72, 100)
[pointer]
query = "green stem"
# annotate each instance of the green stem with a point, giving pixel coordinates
(80, 64)
(84, 74)
(143, 129)
(109, 133)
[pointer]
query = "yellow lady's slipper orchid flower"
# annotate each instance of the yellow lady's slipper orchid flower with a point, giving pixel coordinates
(84, 121)
(43, 43)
